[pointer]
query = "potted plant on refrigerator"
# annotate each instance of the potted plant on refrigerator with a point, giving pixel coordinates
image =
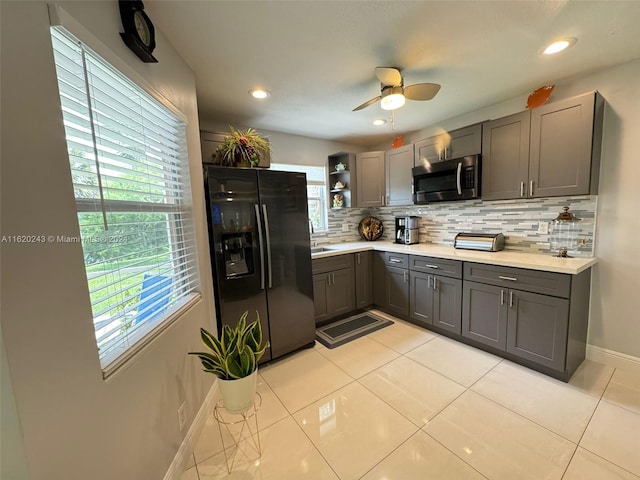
(234, 360)
(242, 149)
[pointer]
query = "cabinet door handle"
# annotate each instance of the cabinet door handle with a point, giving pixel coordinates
(429, 281)
(333, 278)
(435, 283)
(511, 299)
(358, 258)
(431, 266)
(446, 153)
(522, 188)
(501, 297)
(406, 276)
(511, 279)
(328, 279)
(531, 188)
(395, 260)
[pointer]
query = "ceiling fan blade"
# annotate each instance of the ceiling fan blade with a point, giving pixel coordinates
(366, 104)
(389, 76)
(421, 91)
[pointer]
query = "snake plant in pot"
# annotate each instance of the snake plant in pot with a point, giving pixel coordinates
(234, 360)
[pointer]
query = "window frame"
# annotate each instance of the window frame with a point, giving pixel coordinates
(179, 213)
(320, 183)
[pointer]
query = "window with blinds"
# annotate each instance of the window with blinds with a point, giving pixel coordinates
(316, 192)
(129, 166)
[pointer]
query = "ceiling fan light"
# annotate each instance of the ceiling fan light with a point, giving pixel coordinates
(393, 101)
(392, 98)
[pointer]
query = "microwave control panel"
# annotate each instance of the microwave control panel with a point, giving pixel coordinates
(468, 178)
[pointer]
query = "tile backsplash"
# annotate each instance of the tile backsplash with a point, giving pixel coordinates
(517, 219)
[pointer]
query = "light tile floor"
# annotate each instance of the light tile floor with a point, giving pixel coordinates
(403, 403)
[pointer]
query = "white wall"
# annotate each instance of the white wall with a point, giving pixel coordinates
(13, 464)
(615, 303)
(75, 424)
(289, 148)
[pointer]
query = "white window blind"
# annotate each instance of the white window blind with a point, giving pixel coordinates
(129, 167)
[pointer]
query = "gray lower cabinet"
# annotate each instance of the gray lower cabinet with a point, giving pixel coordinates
(537, 328)
(364, 283)
(484, 314)
(333, 287)
(436, 300)
(535, 316)
(528, 325)
(391, 282)
(436, 292)
(552, 150)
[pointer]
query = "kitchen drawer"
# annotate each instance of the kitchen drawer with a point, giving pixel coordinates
(547, 283)
(436, 266)
(400, 260)
(328, 264)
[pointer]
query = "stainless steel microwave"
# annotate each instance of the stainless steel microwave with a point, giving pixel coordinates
(457, 179)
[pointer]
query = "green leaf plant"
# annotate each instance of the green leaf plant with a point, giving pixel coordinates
(237, 353)
(241, 148)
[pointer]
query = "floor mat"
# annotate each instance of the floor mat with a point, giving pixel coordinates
(338, 333)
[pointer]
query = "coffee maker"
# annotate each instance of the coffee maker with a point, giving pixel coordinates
(407, 230)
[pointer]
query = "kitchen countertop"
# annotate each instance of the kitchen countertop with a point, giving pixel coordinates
(533, 261)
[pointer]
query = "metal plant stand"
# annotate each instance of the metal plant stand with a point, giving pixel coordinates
(246, 420)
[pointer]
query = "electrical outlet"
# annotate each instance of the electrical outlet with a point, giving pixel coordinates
(345, 227)
(543, 228)
(182, 415)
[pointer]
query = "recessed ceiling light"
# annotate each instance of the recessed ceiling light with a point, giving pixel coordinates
(379, 121)
(259, 93)
(559, 45)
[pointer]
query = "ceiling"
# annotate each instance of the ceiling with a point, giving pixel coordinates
(317, 58)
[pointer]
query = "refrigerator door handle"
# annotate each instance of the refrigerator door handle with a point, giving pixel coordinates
(260, 242)
(268, 237)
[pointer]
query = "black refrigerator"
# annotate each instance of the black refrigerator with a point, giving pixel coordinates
(260, 253)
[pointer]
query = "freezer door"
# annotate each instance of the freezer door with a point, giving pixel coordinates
(283, 199)
(236, 241)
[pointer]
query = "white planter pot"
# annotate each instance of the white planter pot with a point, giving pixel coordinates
(238, 395)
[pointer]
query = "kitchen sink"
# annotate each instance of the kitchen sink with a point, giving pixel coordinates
(319, 249)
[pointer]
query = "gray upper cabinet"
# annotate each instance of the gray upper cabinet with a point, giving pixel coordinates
(505, 156)
(449, 145)
(428, 150)
(566, 141)
(552, 150)
(370, 179)
(399, 163)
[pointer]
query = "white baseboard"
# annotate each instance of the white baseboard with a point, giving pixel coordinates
(613, 358)
(180, 461)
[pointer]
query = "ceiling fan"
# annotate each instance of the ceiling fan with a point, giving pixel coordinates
(393, 92)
